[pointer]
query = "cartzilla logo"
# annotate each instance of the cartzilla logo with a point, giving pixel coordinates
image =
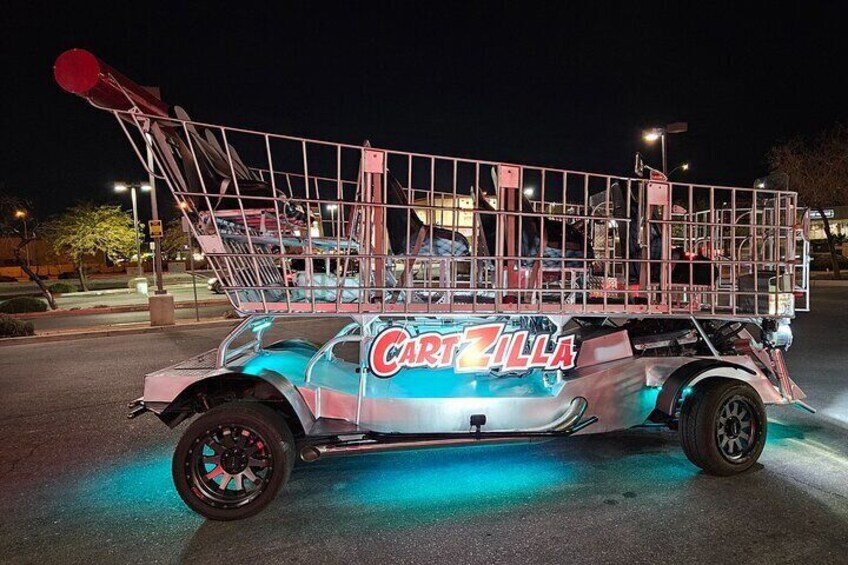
(475, 349)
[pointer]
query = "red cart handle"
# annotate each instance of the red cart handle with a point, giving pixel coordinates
(79, 72)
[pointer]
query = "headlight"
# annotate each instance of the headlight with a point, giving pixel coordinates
(211, 281)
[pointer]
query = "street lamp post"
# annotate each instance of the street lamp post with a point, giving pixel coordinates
(660, 133)
(22, 215)
(154, 212)
(123, 187)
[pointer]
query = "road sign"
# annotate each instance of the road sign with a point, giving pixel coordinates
(155, 227)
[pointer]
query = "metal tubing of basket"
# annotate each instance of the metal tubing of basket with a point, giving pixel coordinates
(739, 248)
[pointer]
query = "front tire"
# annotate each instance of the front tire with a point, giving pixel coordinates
(233, 460)
(723, 426)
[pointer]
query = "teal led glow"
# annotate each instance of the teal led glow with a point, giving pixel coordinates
(440, 482)
(131, 489)
(262, 325)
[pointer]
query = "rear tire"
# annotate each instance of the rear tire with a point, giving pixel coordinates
(233, 460)
(723, 426)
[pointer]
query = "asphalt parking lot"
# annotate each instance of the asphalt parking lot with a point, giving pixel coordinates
(82, 484)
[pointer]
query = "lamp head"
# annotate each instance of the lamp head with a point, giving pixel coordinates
(652, 135)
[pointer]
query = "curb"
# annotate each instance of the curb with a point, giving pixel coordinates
(111, 332)
(111, 309)
(828, 282)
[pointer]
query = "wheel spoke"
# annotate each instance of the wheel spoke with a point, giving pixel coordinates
(211, 460)
(250, 476)
(238, 480)
(225, 481)
(262, 463)
(241, 438)
(227, 438)
(215, 446)
(214, 472)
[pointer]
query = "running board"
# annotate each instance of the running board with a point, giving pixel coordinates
(374, 442)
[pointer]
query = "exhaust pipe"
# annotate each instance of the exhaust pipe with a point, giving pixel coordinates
(312, 453)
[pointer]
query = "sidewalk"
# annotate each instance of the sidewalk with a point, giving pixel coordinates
(111, 330)
(125, 300)
(101, 283)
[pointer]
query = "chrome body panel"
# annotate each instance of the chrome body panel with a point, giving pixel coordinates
(620, 390)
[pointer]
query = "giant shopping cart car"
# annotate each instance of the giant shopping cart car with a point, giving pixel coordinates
(487, 302)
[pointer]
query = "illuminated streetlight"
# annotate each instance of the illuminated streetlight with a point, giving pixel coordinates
(652, 135)
(659, 133)
(772, 182)
(529, 191)
(332, 209)
(681, 167)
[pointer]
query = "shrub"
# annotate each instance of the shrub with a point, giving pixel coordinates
(23, 304)
(12, 327)
(62, 288)
(5, 278)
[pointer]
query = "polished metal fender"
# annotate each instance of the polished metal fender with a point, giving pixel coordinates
(267, 386)
(700, 369)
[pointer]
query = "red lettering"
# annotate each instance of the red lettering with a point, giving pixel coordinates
(563, 357)
(378, 359)
(428, 352)
(477, 348)
(515, 359)
(408, 355)
(480, 338)
(539, 357)
(449, 343)
(500, 350)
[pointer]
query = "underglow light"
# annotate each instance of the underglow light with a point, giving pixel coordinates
(457, 479)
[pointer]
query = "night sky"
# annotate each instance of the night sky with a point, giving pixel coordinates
(569, 86)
